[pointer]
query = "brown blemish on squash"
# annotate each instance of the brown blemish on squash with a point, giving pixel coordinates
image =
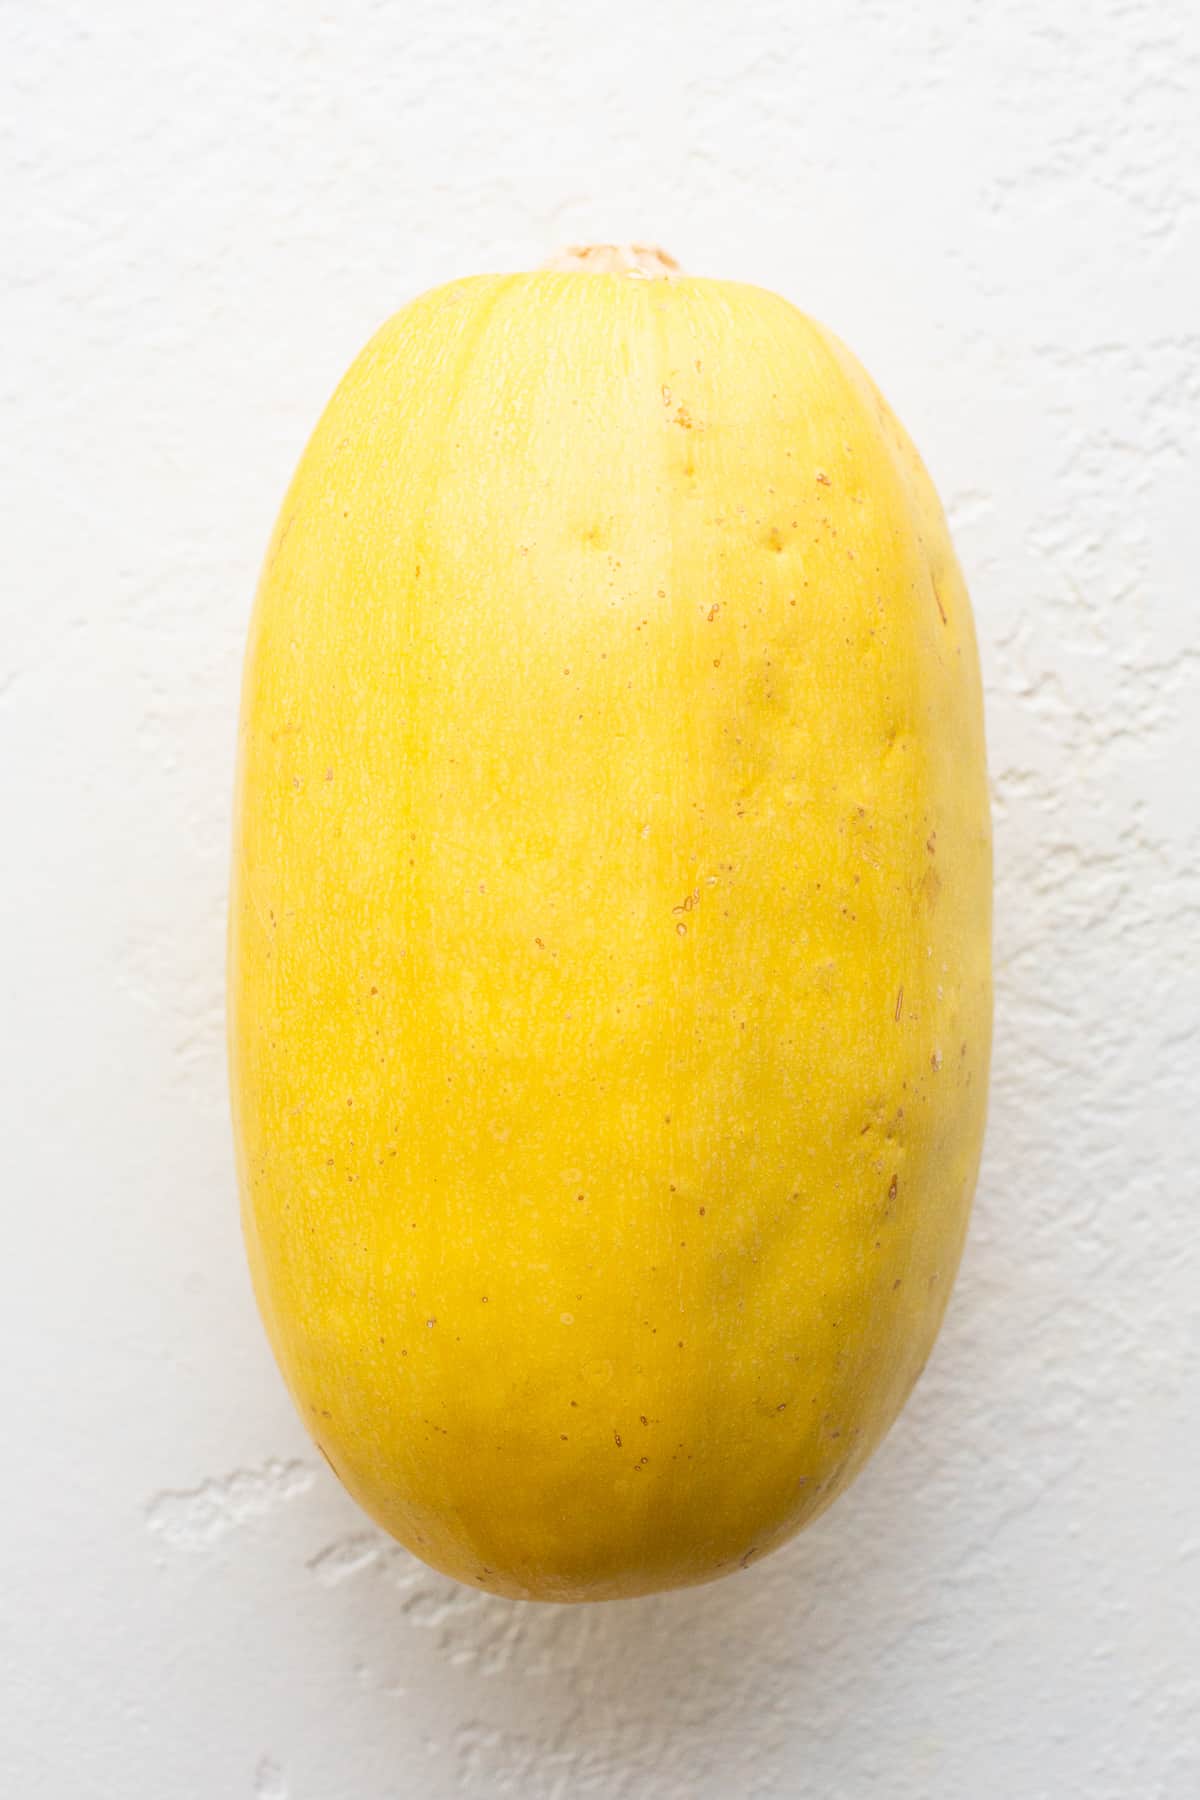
(938, 598)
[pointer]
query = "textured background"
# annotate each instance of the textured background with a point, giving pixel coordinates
(210, 208)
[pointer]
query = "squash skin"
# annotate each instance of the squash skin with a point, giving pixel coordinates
(609, 970)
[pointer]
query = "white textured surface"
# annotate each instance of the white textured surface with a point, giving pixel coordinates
(210, 207)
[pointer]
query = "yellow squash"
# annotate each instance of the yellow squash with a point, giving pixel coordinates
(610, 995)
